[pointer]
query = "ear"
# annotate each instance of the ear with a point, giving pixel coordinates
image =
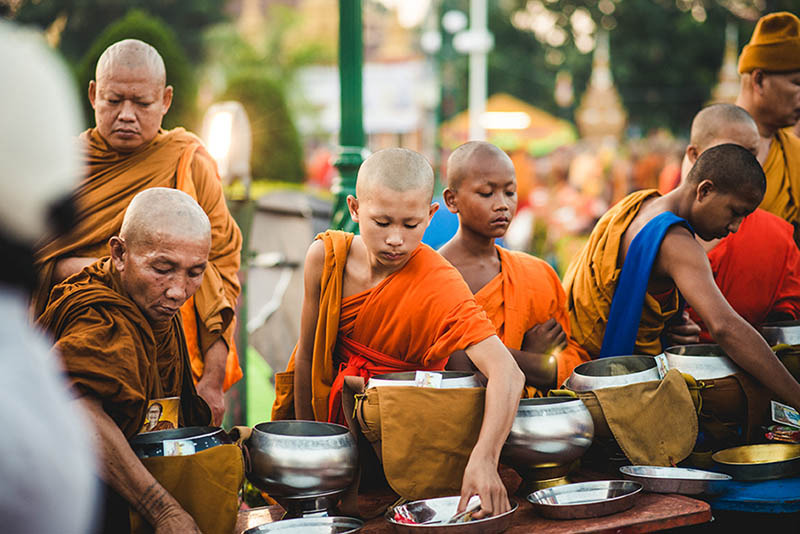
(692, 153)
(434, 207)
(352, 205)
(119, 252)
(92, 92)
(757, 78)
(704, 189)
(166, 101)
(450, 200)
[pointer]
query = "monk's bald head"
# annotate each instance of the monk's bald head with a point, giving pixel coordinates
(723, 123)
(395, 169)
(475, 157)
(161, 211)
(132, 54)
(733, 170)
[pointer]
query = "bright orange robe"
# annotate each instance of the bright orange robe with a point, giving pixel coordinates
(757, 269)
(591, 280)
(419, 314)
(525, 293)
(782, 168)
(176, 159)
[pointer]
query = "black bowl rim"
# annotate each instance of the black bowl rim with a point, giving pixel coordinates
(183, 433)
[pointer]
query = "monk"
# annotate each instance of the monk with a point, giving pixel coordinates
(396, 305)
(757, 269)
(128, 152)
(642, 256)
(117, 327)
(521, 294)
(770, 92)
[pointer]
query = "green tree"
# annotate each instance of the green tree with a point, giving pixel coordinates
(139, 25)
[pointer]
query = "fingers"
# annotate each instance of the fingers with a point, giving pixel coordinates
(466, 494)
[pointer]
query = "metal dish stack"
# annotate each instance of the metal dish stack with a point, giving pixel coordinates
(656, 479)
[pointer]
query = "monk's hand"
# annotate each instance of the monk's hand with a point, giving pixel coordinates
(545, 338)
(211, 383)
(176, 522)
(683, 332)
(481, 478)
(215, 398)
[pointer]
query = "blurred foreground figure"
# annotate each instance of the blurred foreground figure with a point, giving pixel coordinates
(46, 468)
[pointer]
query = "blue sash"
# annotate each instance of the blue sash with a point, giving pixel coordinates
(626, 306)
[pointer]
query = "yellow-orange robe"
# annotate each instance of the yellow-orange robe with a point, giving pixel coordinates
(421, 314)
(591, 280)
(782, 168)
(177, 159)
(525, 293)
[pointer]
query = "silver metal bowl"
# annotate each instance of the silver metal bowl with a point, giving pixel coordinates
(760, 462)
(547, 436)
(585, 499)
(656, 479)
(195, 438)
(310, 525)
(611, 372)
(703, 361)
(434, 512)
(783, 332)
(450, 379)
(304, 465)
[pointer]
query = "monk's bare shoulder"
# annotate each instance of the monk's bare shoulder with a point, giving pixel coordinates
(314, 264)
(679, 254)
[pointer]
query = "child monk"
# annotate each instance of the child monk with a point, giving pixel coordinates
(382, 302)
(521, 294)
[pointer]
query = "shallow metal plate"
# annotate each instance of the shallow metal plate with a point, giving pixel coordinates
(585, 499)
(433, 512)
(681, 480)
(310, 525)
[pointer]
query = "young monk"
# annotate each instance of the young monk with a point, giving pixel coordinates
(521, 294)
(623, 287)
(382, 302)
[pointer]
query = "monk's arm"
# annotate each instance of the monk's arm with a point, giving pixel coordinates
(210, 384)
(123, 471)
(686, 263)
(66, 267)
(312, 276)
(503, 390)
(539, 369)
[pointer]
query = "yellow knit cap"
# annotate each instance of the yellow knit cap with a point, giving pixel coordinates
(774, 46)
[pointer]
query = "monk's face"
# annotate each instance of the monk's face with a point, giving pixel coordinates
(129, 104)
(716, 214)
(153, 414)
(161, 272)
(780, 98)
(391, 223)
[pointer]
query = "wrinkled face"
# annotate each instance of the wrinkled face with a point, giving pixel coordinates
(781, 98)
(128, 107)
(161, 273)
(486, 201)
(718, 214)
(153, 414)
(391, 223)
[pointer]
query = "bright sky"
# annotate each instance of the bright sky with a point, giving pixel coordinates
(409, 12)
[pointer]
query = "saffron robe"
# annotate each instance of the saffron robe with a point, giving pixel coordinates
(525, 293)
(757, 270)
(591, 279)
(176, 159)
(419, 314)
(782, 168)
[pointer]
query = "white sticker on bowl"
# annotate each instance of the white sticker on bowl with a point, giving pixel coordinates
(178, 447)
(427, 379)
(662, 364)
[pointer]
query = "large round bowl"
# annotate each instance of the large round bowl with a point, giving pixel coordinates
(304, 465)
(178, 441)
(547, 436)
(450, 379)
(760, 462)
(781, 333)
(612, 372)
(703, 361)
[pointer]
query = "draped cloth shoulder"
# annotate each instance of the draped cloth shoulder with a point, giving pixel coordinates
(591, 280)
(528, 292)
(782, 168)
(176, 159)
(112, 353)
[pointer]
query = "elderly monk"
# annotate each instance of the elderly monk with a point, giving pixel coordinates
(642, 256)
(770, 92)
(521, 294)
(117, 326)
(126, 153)
(758, 267)
(382, 302)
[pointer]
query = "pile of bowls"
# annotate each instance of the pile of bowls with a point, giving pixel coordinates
(701, 361)
(612, 372)
(548, 435)
(304, 465)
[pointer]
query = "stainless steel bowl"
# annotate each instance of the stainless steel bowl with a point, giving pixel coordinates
(585, 499)
(611, 372)
(450, 379)
(434, 512)
(304, 465)
(198, 438)
(310, 525)
(760, 462)
(703, 361)
(656, 479)
(783, 332)
(547, 436)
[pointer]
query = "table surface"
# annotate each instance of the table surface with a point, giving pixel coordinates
(769, 496)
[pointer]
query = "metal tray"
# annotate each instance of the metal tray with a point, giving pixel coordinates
(656, 479)
(760, 462)
(432, 511)
(585, 499)
(310, 525)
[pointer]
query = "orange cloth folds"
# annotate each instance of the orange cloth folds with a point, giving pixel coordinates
(782, 168)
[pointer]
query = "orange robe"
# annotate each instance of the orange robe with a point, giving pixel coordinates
(757, 269)
(782, 168)
(176, 159)
(525, 293)
(591, 280)
(419, 314)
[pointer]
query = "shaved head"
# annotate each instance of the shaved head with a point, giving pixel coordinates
(722, 121)
(732, 168)
(162, 210)
(396, 169)
(132, 54)
(471, 157)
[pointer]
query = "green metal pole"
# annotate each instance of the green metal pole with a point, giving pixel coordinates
(351, 132)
